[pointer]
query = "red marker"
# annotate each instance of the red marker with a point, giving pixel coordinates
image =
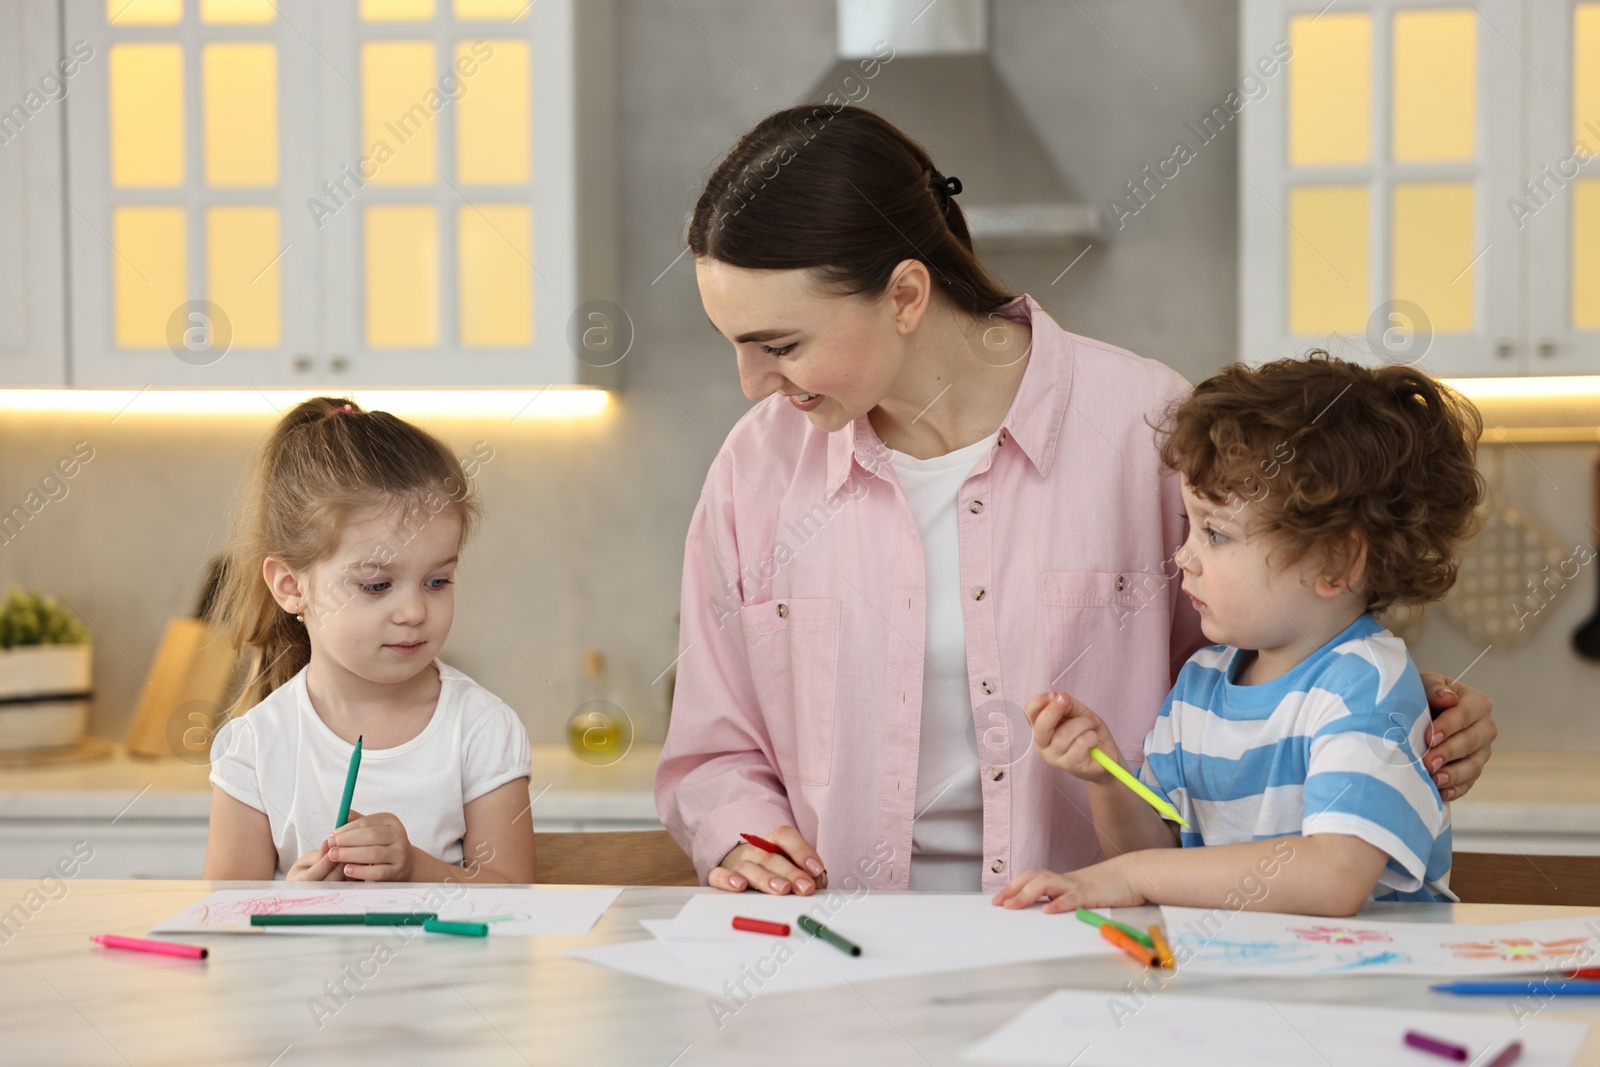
(160, 948)
(767, 846)
(1584, 973)
(760, 926)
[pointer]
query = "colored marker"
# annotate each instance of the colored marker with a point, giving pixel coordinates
(349, 784)
(160, 948)
(767, 846)
(1094, 918)
(1160, 804)
(760, 926)
(1544, 988)
(811, 926)
(1163, 950)
(1436, 1046)
(308, 920)
(1146, 956)
(445, 926)
(1508, 1055)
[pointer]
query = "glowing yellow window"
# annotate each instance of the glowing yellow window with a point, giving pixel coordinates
(1328, 287)
(149, 281)
(144, 12)
(1432, 230)
(244, 271)
(396, 10)
(146, 115)
(495, 245)
(1586, 254)
(237, 11)
(399, 97)
(402, 288)
(492, 119)
(1330, 89)
(1435, 84)
(1586, 76)
(486, 10)
(241, 113)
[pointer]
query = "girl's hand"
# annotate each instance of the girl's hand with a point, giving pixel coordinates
(1103, 885)
(1461, 735)
(315, 866)
(1064, 731)
(746, 865)
(372, 848)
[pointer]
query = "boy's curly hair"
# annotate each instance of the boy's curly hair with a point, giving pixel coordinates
(1318, 448)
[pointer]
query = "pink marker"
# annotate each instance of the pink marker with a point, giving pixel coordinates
(160, 948)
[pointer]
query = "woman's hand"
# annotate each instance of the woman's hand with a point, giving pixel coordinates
(1103, 885)
(1064, 731)
(1460, 737)
(746, 865)
(372, 848)
(315, 866)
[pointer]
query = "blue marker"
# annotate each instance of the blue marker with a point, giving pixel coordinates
(1550, 987)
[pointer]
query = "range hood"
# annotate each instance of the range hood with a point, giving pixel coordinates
(941, 86)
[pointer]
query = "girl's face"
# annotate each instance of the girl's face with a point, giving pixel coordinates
(833, 357)
(381, 606)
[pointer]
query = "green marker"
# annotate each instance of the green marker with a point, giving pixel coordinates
(444, 926)
(1094, 918)
(308, 920)
(1117, 772)
(399, 918)
(811, 926)
(349, 785)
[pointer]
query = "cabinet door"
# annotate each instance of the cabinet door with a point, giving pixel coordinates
(33, 89)
(190, 142)
(1558, 207)
(446, 216)
(1375, 165)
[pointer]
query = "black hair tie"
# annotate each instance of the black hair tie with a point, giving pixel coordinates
(945, 187)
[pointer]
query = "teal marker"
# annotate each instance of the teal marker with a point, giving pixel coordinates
(349, 785)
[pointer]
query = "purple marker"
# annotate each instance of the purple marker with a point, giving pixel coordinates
(1435, 1046)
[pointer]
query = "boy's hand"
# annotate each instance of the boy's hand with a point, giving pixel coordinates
(372, 848)
(1064, 731)
(315, 866)
(1103, 885)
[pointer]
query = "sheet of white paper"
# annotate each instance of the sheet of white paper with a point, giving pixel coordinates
(1265, 943)
(509, 910)
(901, 934)
(1080, 1027)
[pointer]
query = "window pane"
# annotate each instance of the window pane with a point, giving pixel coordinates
(1586, 76)
(496, 275)
(221, 11)
(244, 270)
(396, 10)
(1435, 84)
(1328, 259)
(402, 276)
(1586, 254)
(499, 10)
(144, 12)
(397, 83)
(1433, 238)
(147, 273)
(492, 119)
(146, 115)
(241, 113)
(1330, 89)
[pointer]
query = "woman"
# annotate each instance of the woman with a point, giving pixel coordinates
(943, 504)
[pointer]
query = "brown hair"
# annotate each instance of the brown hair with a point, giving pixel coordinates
(326, 463)
(845, 192)
(1319, 448)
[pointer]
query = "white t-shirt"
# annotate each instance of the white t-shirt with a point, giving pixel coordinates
(281, 759)
(947, 833)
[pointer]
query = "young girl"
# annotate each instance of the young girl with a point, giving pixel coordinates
(338, 587)
(1318, 492)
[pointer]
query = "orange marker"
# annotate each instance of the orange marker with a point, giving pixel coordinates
(1129, 945)
(1163, 950)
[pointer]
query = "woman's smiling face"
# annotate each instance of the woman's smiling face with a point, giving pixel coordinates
(835, 357)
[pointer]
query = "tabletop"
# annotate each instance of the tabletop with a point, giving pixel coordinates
(269, 1001)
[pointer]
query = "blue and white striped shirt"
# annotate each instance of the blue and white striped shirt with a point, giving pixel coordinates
(1333, 746)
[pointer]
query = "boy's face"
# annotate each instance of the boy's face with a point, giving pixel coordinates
(1244, 600)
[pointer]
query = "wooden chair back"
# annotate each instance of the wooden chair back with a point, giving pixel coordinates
(623, 857)
(1514, 878)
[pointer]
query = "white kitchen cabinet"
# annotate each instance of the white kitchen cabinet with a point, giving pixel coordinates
(302, 194)
(1380, 171)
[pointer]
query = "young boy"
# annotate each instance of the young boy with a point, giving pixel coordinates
(1318, 492)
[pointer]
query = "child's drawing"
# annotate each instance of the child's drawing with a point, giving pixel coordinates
(1339, 935)
(1517, 949)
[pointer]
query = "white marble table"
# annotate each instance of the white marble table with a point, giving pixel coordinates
(517, 1001)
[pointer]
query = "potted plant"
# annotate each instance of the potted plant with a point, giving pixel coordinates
(44, 674)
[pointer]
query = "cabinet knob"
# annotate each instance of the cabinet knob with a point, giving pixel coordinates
(339, 364)
(1547, 348)
(302, 364)
(1505, 349)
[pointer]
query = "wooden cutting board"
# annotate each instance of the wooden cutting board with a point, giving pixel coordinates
(181, 706)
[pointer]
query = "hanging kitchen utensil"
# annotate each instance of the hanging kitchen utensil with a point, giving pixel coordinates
(1586, 638)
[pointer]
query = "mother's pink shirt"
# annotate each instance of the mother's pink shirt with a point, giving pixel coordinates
(799, 688)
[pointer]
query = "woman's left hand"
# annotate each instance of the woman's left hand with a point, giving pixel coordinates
(1459, 739)
(372, 848)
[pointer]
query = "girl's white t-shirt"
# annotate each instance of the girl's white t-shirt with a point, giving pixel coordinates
(281, 759)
